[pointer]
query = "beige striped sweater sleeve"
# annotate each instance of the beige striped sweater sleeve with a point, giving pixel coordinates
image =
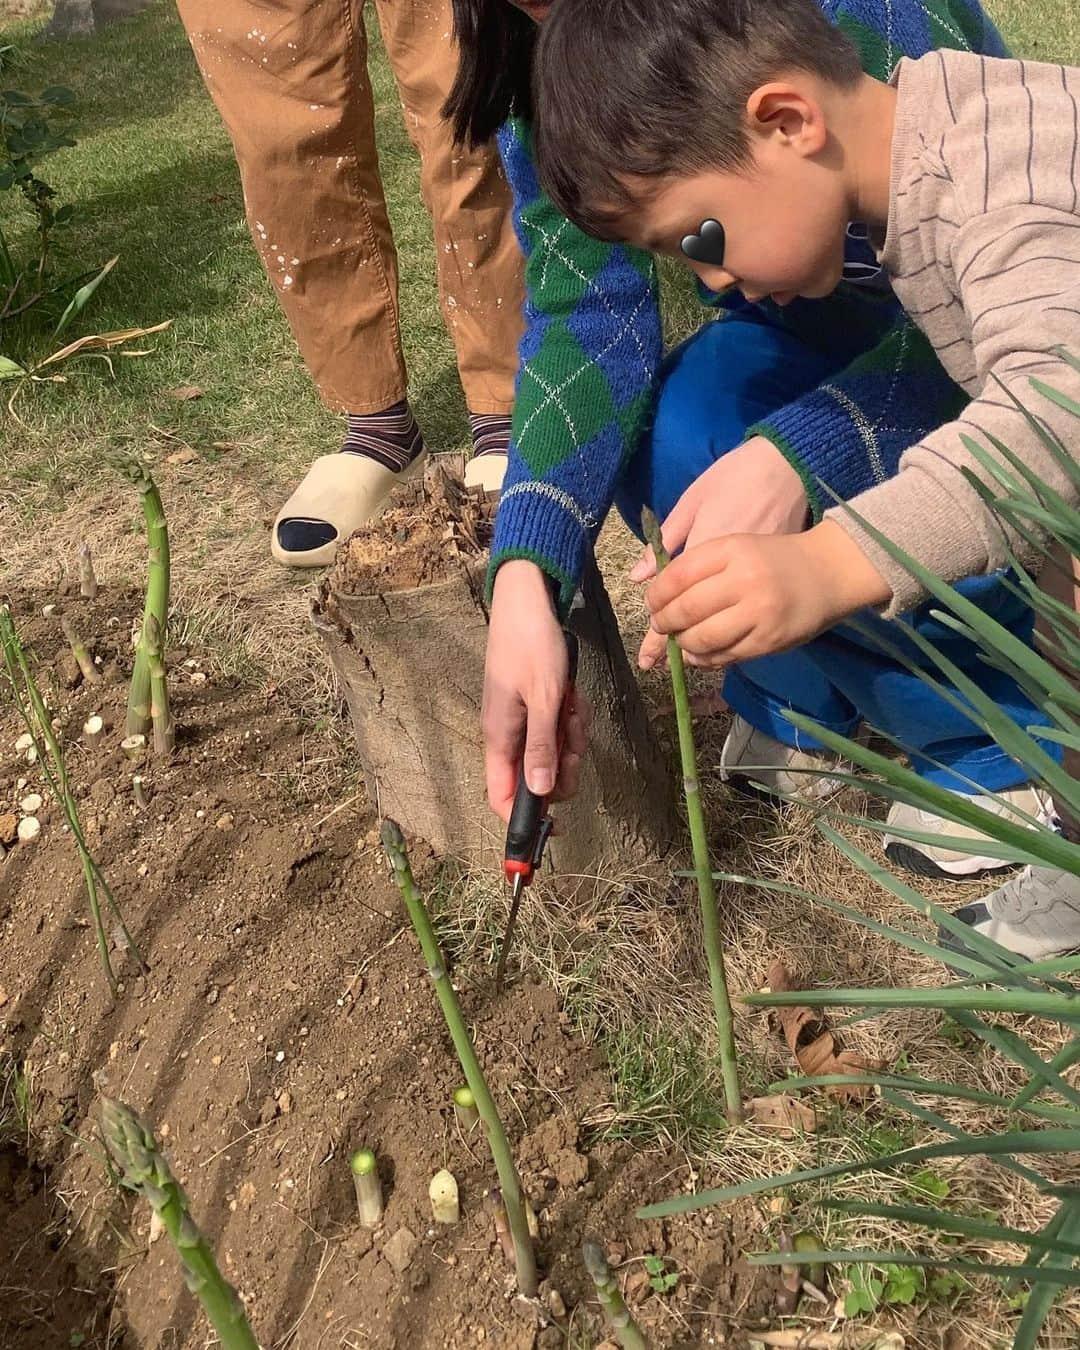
(983, 243)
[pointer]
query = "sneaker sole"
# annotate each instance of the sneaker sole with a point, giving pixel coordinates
(907, 856)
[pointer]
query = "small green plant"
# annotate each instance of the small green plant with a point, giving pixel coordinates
(38, 723)
(714, 947)
(38, 305)
(661, 1280)
(394, 843)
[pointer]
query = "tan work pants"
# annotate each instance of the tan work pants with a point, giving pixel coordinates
(290, 80)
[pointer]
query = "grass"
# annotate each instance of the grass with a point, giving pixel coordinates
(156, 181)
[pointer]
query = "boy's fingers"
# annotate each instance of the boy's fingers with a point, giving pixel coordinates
(695, 605)
(719, 641)
(689, 568)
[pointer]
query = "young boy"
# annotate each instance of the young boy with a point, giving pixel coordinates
(744, 143)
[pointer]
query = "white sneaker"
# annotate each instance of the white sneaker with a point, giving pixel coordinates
(1035, 914)
(754, 761)
(938, 860)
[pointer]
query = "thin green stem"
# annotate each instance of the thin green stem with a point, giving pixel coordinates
(35, 717)
(145, 1168)
(139, 717)
(695, 812)
(394, 844)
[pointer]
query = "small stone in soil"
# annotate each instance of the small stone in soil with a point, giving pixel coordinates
(400, 1250)
(24, 743)
(29, 829)
(31, 804)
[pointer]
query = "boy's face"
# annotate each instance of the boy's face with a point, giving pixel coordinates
(783, 216)
(783, 236)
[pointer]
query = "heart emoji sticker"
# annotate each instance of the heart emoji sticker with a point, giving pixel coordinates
(707, 246)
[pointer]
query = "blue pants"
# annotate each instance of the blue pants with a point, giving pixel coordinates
(726, 377)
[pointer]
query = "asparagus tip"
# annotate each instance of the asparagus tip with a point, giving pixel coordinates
(362, 1162)
(391, 834)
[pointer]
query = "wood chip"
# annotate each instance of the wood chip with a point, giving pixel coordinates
(784, 1114)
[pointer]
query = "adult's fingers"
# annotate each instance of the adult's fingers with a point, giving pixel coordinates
(674, 531)
(653, 649)
(541, 759)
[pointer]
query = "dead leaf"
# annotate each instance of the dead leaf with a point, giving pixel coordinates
(185, 456)
(783, 1113)
(813, 1044)
(184, 393)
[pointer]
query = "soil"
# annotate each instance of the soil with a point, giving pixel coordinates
(285, 1020)
(433, 526)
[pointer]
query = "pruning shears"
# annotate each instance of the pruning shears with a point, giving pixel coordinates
(530, 822)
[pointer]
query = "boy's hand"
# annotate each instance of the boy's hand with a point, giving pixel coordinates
(751, 490)
(524, 683)
(751, 595)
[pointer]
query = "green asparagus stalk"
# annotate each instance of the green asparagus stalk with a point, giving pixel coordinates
(139, 716)
(36, 718)
(627, 1332)
(145, 1169)
(368, 1187)
(90, 672)
(394, 844)
(160, 712)
(714, 947)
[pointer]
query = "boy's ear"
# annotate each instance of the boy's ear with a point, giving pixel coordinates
(784, 110)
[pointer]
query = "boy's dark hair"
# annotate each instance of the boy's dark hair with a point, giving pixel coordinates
(495, 48)
(658, 88)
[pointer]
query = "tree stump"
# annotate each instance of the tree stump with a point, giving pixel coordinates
(405, 622)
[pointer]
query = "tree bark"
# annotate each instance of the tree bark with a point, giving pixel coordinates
(410, 662)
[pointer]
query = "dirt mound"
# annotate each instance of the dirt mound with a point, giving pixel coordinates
(286, 1020)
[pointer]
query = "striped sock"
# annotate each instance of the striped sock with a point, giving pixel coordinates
(490, 433)
(392, 438)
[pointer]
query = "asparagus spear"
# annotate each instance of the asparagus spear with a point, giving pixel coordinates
(714, 947)
(135, 1151)
(157, 599)
(394, 844)
(627, 1332)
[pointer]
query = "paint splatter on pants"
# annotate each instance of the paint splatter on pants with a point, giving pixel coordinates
(290, 80)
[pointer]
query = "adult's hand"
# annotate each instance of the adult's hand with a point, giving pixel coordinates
(750, 490)
(524, 686)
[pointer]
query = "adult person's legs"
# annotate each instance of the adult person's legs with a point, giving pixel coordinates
(726, 377)
(291, 83)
